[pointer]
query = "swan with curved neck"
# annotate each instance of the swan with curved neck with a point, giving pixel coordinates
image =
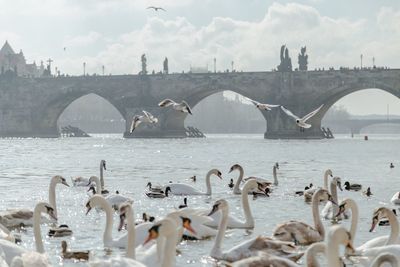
(99, 188)
(108, 241)
(166, 228)
(185, 189)
(337, 236)
(233, 222)
(12, 250)
(302, 233)
(265, 183)
(17, 217)
(385, 258)
(330, 211)
(379, 214)
(247, 248)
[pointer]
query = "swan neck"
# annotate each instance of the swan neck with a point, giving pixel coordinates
(385, 258)
(208, 183)
(315, 211)
(275, 175)
(354, 219)
(335, 197)
(98, 186)
(37, 231)
(168, 259)
(216, 251)
(101, 175)
(311, 254)
(326, 180)
(249, 220)
(52, 196)
(332, 252)
(236, 189)
(130, 247)
(107, 236)
(394, 231)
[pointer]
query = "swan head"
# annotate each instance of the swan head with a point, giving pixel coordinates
(343, 206)
(148, 185)
(276, 165)
(329, 172)
(338, 182)
(187, 224)
(94, 201)
(124, 208)
(218, 205)
(92, 188)
(379, 214)
(44, 207)
(103, 164)
(164, 227)
(60, 180)
(217, 173)
(64, 246)
(235, 167)
(339, 235)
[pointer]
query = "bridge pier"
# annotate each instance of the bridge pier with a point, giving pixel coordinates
(171, 124)
(280, 126)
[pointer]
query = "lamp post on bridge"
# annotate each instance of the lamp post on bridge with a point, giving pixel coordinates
(102, 68)
(361, 57)
(84, 68)
(373, 62)
(215, 65)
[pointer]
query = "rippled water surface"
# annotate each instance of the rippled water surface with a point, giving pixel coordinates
(28, 164)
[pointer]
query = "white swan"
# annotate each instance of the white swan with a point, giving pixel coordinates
(185, 189)
(330, 211)
(6, 234)
(302, 233)
(309, 192)
(267, 183)
(233, 222)
(12, 250)
(108, 241)
(249, 247)
(337, 235)
(81, 181)
(182, 107)
(97, 182)
(17, 217)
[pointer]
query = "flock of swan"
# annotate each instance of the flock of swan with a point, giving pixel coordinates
(156, 242)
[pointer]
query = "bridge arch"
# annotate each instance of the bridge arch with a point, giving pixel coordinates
(243, 117)
(50, 113)
(334, 95)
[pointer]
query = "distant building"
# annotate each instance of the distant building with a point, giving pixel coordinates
(198, 69)
(16, 63)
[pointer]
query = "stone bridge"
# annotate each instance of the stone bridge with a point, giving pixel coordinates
(355, 125)
(30, 107)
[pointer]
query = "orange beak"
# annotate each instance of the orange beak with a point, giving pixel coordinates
(188, 227)
(152, 235)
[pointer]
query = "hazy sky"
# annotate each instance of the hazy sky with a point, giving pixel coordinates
(114, 33)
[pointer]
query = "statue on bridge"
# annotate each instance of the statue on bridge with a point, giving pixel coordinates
(165, 65)
(144, 65)
(286, 61)
(303, 59)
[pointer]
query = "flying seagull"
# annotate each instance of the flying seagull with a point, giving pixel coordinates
(182, 107)
(261, 106)
(137, 119)
(301, 122)
(156, 8)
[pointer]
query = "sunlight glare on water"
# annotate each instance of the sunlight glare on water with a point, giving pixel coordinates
(28, 164)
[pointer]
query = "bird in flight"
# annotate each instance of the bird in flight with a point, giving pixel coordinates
(137, 119)
(156, 8)
(301, 122)
(182, 107)
(262, 106)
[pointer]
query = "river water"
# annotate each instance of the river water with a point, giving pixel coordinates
(28, 164)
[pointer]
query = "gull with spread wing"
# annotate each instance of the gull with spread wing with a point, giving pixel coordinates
(301, 122)
(262, 106)
(137, 119)
(182, 107)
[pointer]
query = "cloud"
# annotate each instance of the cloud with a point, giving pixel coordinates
(82, 40)
(251, 45)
